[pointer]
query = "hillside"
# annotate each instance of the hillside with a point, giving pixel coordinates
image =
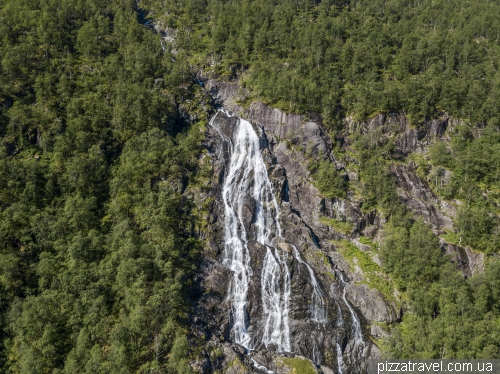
(378, 126)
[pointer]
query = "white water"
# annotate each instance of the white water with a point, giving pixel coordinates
(356, 325)
(340, 358)
(260, 367)
(317, 307)
(276, 308)
(247, 176)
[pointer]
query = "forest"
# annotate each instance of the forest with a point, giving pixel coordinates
(96, 249)
(101, 127)
(349, 58)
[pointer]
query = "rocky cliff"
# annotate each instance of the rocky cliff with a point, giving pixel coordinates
(326, 232)
(287, 143)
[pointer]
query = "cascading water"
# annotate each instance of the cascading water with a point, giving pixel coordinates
(247, 176)
(317, 307)
(340, 358)
(276, 308)
(359, 343)
(247, 184)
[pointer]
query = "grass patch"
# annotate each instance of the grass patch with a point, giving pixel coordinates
(341, 226)
(299, 365)
(367, 241)
(373, 273)
(450, 237)
(322, 256)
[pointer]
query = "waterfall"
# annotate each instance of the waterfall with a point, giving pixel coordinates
(247, 177)
(356, 324)
(317, 308)
(276, 308)
(247, 191)
(340, 357)
(340, 360)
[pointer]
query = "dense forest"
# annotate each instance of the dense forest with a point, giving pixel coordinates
(96, 249)
(358, 58)
(351, 58)
(101, 125)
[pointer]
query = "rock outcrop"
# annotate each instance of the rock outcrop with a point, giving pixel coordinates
(418, 196)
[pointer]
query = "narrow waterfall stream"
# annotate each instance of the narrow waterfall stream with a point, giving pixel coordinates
(317, 307)
(359, 342)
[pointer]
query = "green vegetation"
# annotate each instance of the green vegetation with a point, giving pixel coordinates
(473, 163)
(367, 241)
(329, 181)
(449, 316)
(343, 58)
(100, 138)
(478, 227)
(445, 315)
(450, 237)
(374, 275)
(341, 226)
(96, 251)
(299, 365)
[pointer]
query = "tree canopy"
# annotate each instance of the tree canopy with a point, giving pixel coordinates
(96, 249)
(352, 58)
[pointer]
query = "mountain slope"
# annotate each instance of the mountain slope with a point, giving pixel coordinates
(108, 196)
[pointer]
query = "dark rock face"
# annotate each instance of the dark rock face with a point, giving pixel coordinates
(415, 192)
(309, 338)
(468, 261)
(408, 139)
(418, 196)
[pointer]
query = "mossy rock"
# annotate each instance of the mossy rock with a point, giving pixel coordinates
(298, 365)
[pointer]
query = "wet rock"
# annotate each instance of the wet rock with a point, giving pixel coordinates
(286, 143)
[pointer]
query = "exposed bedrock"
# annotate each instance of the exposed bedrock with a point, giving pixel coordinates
(418, 196)
(301, 207)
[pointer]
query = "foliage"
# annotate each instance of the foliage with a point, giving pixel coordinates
(373, 274)
(473, 162)
(100, 132)
(96, 251)
(412, 256)
(299, 365)
(343, 58)
(448, 316)
(445, 315)
(341, 226)
(329, 181)
(478, 228)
